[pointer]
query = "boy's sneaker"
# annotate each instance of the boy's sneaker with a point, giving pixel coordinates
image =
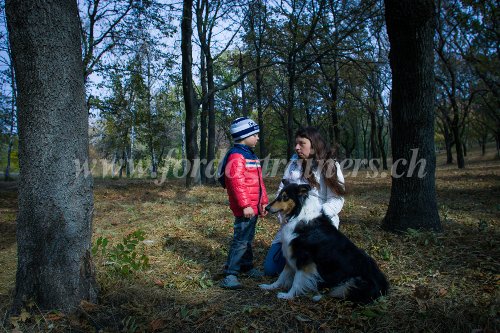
(254, 273)
(230, 282)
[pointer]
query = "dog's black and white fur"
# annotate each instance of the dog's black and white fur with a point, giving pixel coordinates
(318, 256)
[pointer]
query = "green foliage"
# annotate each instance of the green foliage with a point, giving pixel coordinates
(422, 237)
(377, 309)
(124, 258)
(205, 281)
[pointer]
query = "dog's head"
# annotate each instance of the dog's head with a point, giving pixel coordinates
(290, 200)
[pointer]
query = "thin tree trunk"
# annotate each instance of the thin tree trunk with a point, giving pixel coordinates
(290, 106)
(410, 26)
(373, 136)
(448, 142)
(244, 109)
(211, 119)
(260, 111)
(54, 224)
(201, 25)
(190, 105)
(381, 145)
(152, 153)
(458, 145)
(257, 20)
(333, 128)
(365, 142)
(204, 114)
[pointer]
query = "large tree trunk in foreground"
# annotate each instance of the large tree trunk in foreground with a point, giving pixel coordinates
(410, 26)
(55, 201)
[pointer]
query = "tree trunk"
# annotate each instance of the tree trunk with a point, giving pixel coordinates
(191, 108)
(260, 111)
(257, 23)
(333, 85)
(365, 133)
(373, 136)
(244, 108)
(290, 106)
(152, 153)
(201, 25)
(122, 163)
(458, 146)
(211, 119)
(204, 113)
(410, 26)
(54, 224)
(448, 142)
(380, 137)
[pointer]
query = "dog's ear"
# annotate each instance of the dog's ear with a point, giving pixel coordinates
(304, 189)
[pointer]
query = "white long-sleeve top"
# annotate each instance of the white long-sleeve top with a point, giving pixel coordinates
(331, 202)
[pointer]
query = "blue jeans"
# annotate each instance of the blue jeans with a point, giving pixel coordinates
(240, 258)
(274, 262)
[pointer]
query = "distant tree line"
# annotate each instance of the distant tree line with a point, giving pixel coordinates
(285, 63)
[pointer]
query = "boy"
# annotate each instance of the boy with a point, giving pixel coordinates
(241, 174)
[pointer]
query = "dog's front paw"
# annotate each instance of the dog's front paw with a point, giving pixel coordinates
(266, 286)
(285, 296)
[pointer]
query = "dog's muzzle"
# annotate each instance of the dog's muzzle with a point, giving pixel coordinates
(271, 210)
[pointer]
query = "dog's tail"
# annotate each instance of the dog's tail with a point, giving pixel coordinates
(366, 289)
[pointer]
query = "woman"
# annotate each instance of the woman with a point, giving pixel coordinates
(314, 164)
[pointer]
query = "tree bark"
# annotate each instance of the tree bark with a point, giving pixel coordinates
(455, 130)
(260, 110)
(257, 22)
(448, 142)
(410, 26)
(374, 144)
(290, 106)
(333, 85)
(54, 224)
(244, 109)
(201, 25)
(211, 119)
(380, 137)
(190, 105)
(152, 153)
(204, 114)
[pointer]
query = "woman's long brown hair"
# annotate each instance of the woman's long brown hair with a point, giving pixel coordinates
(322, 157)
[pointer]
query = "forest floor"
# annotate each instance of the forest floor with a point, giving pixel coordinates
(440, 282)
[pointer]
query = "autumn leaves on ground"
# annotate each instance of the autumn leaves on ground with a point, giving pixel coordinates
(445, 282)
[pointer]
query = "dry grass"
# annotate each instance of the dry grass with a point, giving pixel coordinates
(445, 282)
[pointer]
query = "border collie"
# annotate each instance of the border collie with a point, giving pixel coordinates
(318, 256)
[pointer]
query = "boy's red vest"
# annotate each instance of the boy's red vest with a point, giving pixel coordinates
(243, 180)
